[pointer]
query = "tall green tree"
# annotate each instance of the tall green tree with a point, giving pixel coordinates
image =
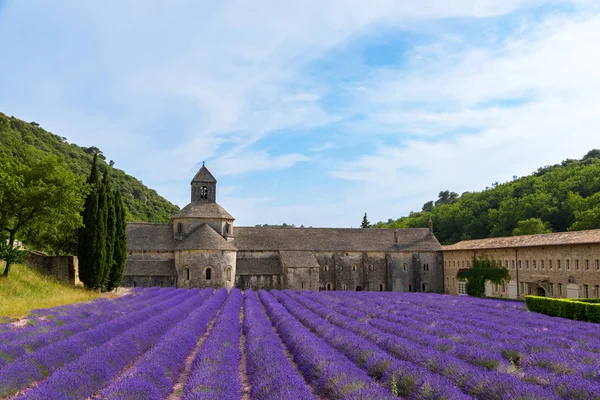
(36, 195)
(365, 222)
(531, 226)
(111, 224)
(120, 244)
(92, 237)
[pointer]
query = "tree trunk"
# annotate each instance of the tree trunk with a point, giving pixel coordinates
(11, 241)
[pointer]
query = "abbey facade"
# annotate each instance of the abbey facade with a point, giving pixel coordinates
(201, 247)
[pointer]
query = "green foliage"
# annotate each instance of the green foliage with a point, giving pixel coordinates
(10, 254)
(120, 244)
(365, 222)
(482, 270)
(18, 138)
(577, 309)
(38, 198)
(562, 197)
(531, 226)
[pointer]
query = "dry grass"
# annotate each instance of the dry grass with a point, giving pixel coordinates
(26, 289)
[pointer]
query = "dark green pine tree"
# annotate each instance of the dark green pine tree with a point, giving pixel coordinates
(365, 222)
(87, 267)
(120, 242)
(92, 237)
(100, 235)
(111, 224)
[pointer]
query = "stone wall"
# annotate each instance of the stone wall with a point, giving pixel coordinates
(193, 264)
(544, 270)
(63, 268)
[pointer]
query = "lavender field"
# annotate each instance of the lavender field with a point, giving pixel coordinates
(205, 344)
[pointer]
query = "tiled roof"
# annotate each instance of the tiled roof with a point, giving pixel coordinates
(147, 236)
(204, 238)
(258, 266)
(334, 239)
(150, 268)
(204, 175)
(546, 239)
(159, 237)
(298, 259)
(203, 210)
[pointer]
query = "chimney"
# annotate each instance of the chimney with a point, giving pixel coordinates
(430, 223)
(396, 237)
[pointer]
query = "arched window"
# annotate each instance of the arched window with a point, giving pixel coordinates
(344, 287)
(325, 267)
(186, 271)
(424, 287)
(329, 286)
(405, 266)
(381, 287)
(204, 192)
(354, 267)
(228, 273)
(371, 267)
(134, 284)
(340, 267)
(208, 274)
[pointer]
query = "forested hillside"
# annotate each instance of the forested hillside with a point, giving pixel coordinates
(554, 198)
(143, 204)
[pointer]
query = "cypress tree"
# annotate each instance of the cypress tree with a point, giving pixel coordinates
(100, 236)
(110, 230)
(85, 238)
(120, 243)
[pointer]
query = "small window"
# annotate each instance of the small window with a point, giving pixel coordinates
(134, 284)
(302, 285)
(526, 264)
(187, 274)
(208, 274)
(513, 264)
(423, 287)
(597, 265)
(550, 265)
(405, 266)
(325, 267)
(354, 267)
(520, 264)
(228, 273)
(587, 265)
(577, 265)
(179, 227)
(551, 289)
(204, 192)
(558, 265)
(329, 286)
(534, 264)
(381, 287)
(568, 262)
(586, 291)
(506, 264)
(462, 287)
(344, 287)
(542, 266)
(409, 287)
(340, 267)
(371, 267)
(560, 290)
(597, 291)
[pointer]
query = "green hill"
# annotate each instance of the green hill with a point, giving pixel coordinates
(143, 204)
(554, 198)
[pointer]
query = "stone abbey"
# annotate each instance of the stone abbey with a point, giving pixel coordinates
(202, 248)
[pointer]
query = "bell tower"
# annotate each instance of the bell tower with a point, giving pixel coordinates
(204, 187)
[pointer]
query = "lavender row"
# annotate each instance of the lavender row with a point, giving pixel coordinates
(38, 365)
(89, 373)
(219, 352)
(158, 370)
(475, 381)
(331, 374)
(271, 374)
(33, 341)
(400, 377)
(488, 347)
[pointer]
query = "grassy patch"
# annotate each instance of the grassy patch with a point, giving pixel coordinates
(26, 289)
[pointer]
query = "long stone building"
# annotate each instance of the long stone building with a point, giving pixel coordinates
(202, 248)
(563, 264)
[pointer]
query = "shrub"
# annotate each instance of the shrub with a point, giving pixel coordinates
(577, 309)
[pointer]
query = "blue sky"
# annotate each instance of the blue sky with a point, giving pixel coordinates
(311, 112)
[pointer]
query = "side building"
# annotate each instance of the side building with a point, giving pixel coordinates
(563, 264)
(201, 248)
